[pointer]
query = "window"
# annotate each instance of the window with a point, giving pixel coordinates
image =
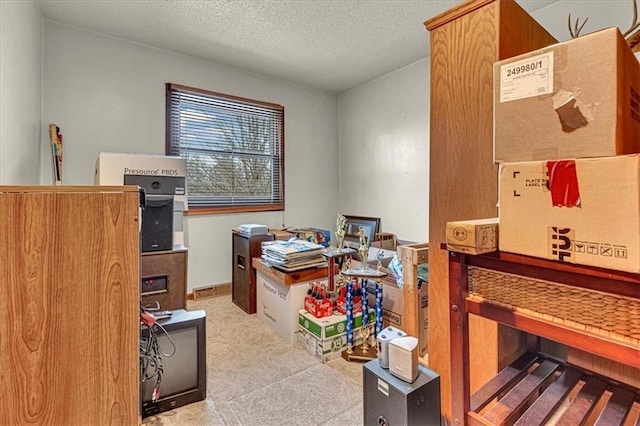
(233, 147)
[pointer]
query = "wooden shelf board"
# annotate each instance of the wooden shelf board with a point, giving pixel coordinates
(292, 277)
(583, 340)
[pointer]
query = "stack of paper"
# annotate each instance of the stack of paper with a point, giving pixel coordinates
(293, 255)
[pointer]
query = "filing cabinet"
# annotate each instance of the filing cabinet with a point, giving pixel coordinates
(243, 286)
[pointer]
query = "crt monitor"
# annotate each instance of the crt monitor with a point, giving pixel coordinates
(184, 378)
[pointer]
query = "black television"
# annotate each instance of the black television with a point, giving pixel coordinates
(184, 378)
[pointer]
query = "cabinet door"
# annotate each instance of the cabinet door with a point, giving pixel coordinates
(69, 306)
(241, 292)
(243, 287)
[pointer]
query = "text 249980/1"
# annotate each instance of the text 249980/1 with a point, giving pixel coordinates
(532, 66)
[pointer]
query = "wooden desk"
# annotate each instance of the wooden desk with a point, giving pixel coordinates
(289, 278)
(531, 294)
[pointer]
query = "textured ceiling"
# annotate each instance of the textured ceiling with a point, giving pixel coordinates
(330, 45)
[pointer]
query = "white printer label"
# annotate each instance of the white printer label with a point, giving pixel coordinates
(526, 78)
(383, 387)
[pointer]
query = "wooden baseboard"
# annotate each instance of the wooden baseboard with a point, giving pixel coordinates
(210, 291)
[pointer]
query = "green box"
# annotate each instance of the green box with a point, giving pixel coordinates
(330, 326)
(325, 350)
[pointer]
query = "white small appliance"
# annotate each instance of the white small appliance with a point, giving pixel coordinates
(403, 358)
(251, 229)
(383, 339)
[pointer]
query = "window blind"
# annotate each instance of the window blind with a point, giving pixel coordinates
(233, 148)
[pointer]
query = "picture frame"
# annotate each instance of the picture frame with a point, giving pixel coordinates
(371, 227)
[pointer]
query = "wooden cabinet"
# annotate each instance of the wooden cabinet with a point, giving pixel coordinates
(589, 309)
(69, 305)
(164, 278)
(243, 285)
(465, 42)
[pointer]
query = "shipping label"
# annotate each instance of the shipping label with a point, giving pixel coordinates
(527, 78)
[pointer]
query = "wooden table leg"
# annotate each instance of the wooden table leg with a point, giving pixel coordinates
(459, 322)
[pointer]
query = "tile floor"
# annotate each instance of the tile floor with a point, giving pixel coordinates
(254, 377)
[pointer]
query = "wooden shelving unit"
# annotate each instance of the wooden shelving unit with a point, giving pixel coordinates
(465, 42)
(505, 288)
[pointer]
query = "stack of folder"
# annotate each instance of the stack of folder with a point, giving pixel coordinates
(293, 255)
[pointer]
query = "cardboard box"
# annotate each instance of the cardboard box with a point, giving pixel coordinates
(393, 307)
(385, 240)
(282, 235)
(331, 326)
(278, 305)
(314, 235)
(473, 236)
(111, 168)
(376, 253)
(327, 349)
(596, 221)
(576, 99)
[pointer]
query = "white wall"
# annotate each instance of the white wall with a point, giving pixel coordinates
(20, 92)
(108, 94)
(384, 128)
(384, 151)
(601, 14)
